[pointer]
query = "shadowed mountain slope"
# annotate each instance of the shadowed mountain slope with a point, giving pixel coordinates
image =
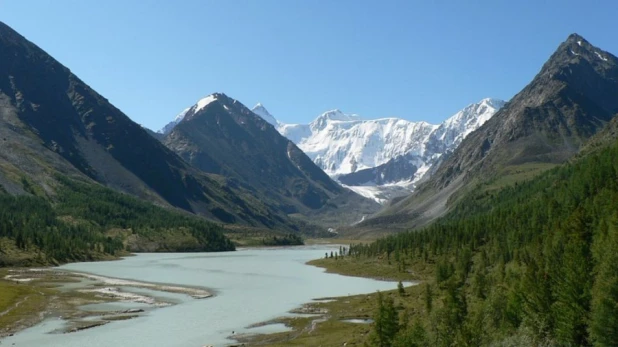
(52, 123)
(573, 96)
(221, 136)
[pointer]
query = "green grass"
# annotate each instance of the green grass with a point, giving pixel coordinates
(19, 303)
(518, 173)
(377, 268)
(11, 255)
(331, 330)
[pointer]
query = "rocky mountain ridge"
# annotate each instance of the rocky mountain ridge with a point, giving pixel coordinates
(574, 95)
(219, 135)
(381, 158)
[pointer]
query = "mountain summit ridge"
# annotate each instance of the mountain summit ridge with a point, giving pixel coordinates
(221, 136)
(53, 125)
(361, 152)
(574, 95)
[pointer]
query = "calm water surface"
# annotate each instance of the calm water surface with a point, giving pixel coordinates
(251, 286)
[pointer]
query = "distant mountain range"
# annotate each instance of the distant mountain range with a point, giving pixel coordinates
(378, 158)
(220, 135)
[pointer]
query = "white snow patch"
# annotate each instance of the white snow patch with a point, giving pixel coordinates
(573, 52)
(360, 221)
(383, 194)
(204, 102)
(579, 42)
(171, 125)
(342, 143)
(600, 56)
(181, 115)
(261, 111)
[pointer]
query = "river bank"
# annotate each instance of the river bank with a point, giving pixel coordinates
(347, 320)
(252, 285)
(81, 301)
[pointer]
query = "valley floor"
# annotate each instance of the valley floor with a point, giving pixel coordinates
(346, 321)
(32, 295)
(82, 301)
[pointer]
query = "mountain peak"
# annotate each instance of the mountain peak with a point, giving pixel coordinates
(333, 115)
(203, 102)
(198, 106)
(337, 114)
(575, 49)
(492, 102)
(453, 130)
(575, 37)
(261, 111)
(575, 44)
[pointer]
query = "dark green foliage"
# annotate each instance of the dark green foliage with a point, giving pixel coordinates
(414, 336)
(114, 210)
(428, 298)
(535, 261)
(36, 226)
(400, 289)
(289, 239)
(33, 225)
(604, 311)
(386, 322)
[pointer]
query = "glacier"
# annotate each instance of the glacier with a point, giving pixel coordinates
(377, 158)
(381, 158)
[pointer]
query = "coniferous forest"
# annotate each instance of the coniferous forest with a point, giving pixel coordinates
(535, 263)
(74, 226)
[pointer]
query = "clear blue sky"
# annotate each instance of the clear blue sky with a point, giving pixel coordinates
(418, 60)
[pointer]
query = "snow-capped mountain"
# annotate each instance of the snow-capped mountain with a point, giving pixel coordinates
(199, 105)
(453, 130)
(220, 136)
(391, 153)
(378, 158)
(171, 125)
(263, 112)
(348, 144)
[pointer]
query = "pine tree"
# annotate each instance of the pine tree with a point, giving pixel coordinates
(401, 289)
(604, 316)
(428, 297)
(414, 336)
(572, 287)
(386, 322)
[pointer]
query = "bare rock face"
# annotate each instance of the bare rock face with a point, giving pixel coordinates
(52, 123)
(220, 135)
(573, 96)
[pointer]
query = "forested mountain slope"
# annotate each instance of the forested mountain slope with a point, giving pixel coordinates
(573, 96)
(52, 123)
(90, 222)
(534, 263)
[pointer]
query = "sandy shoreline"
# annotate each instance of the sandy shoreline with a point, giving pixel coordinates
(65, 294)
(195, 293)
